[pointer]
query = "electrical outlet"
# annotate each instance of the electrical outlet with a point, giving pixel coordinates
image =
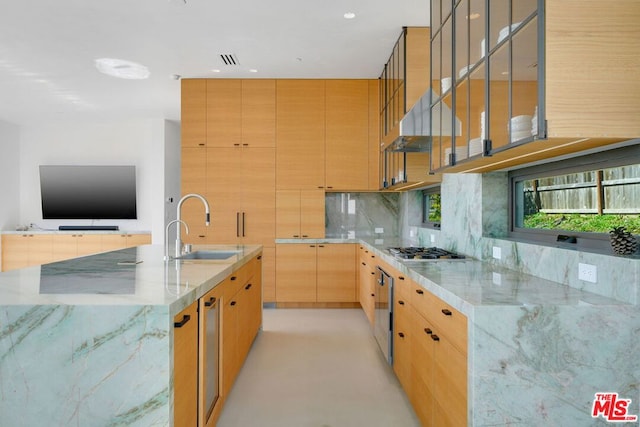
(497, 252)
(497, 279)
(379, 230)
(432, 237)
(587, 272)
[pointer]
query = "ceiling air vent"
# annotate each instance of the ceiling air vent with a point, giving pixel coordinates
(229, 59)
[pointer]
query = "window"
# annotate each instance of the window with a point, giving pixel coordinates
(578, 201)
(431, 208)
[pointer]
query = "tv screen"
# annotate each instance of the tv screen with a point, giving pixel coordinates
(88, 192)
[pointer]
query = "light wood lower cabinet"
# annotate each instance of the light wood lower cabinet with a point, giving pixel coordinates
(226, 321)
(430, 349)
(324, 273)
(24, 250)
(185, 371)
(366, 283)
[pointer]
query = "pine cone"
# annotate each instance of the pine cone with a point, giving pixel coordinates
(623, 242)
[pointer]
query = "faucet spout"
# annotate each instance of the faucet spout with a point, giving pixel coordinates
(207, 219)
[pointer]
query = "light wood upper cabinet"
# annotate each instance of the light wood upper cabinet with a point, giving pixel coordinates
(193, 98)
(300, 214)
(300, 132)
(569, 66)
(224, 112)
(347, 135)
(259, 112)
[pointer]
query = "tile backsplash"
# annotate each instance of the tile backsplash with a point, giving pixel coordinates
(475, 221)
(354, 215)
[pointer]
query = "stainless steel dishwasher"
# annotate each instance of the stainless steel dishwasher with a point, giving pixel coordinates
(383, 317)
(211, 354)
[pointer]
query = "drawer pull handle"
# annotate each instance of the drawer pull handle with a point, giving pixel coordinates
(428, 331)
(232, 303)
(419, 291)
(401, 302)
(211, 301)
(233, 277)
(259, 257)
(364, 263)
(247, 287)
(435, 337)
(373, 295)
(183, 322)
(446, 312)
(401, 335)
(400, 278)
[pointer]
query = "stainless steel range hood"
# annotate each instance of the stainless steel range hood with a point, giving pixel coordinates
(415, 126)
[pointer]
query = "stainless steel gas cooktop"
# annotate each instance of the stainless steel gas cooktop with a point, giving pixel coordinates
(412, 253)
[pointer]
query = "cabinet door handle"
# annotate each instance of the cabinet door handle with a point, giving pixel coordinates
(237, 224)
(233, 277)
(232, 303)
(243, 233)
(259, 257)
(419, 291)
(305, 235)
(373, 295)
(400, 278)
(296, 235)
(246, 288)
(446, 312)
(373, 273)
(401, 335)
(321, 246)
(401, 302)
(201, 144)
(364, 263)
(435, 337)
(428, 331)
(183, 322)
(211, 301)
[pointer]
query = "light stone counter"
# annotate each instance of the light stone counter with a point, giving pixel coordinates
(89, 341)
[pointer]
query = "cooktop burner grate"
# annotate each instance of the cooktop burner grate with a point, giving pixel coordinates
(420, 253)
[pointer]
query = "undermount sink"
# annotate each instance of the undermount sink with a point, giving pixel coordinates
(209, 254)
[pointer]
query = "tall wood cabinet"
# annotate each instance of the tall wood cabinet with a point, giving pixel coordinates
(235, 166)
(300, 132)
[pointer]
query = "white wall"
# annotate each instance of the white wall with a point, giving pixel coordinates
(9, 176)
(137, 142)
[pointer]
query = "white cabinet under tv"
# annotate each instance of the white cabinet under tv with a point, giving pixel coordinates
(35, 247)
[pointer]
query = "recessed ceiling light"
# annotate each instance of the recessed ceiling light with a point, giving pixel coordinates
(122, 69)
(474, 16)
(349, 15)
(253, 70)
(215, 70)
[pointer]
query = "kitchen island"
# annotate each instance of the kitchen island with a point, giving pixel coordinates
(89, 341)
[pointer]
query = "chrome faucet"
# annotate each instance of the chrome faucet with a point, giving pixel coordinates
(166, 236)
(178, 216)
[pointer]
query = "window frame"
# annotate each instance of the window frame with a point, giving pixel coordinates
(425, 215)
(588, 241)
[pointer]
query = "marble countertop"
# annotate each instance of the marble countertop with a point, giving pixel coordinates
(126, 277)
(471, 284)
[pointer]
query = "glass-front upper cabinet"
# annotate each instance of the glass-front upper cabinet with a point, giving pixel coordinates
(484, 68)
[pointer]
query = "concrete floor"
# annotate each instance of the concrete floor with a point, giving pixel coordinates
(316, 368)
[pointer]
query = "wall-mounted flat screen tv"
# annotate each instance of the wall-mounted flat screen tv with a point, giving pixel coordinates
(88, 192)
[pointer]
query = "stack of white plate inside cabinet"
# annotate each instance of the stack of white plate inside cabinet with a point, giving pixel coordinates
(520, 127)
